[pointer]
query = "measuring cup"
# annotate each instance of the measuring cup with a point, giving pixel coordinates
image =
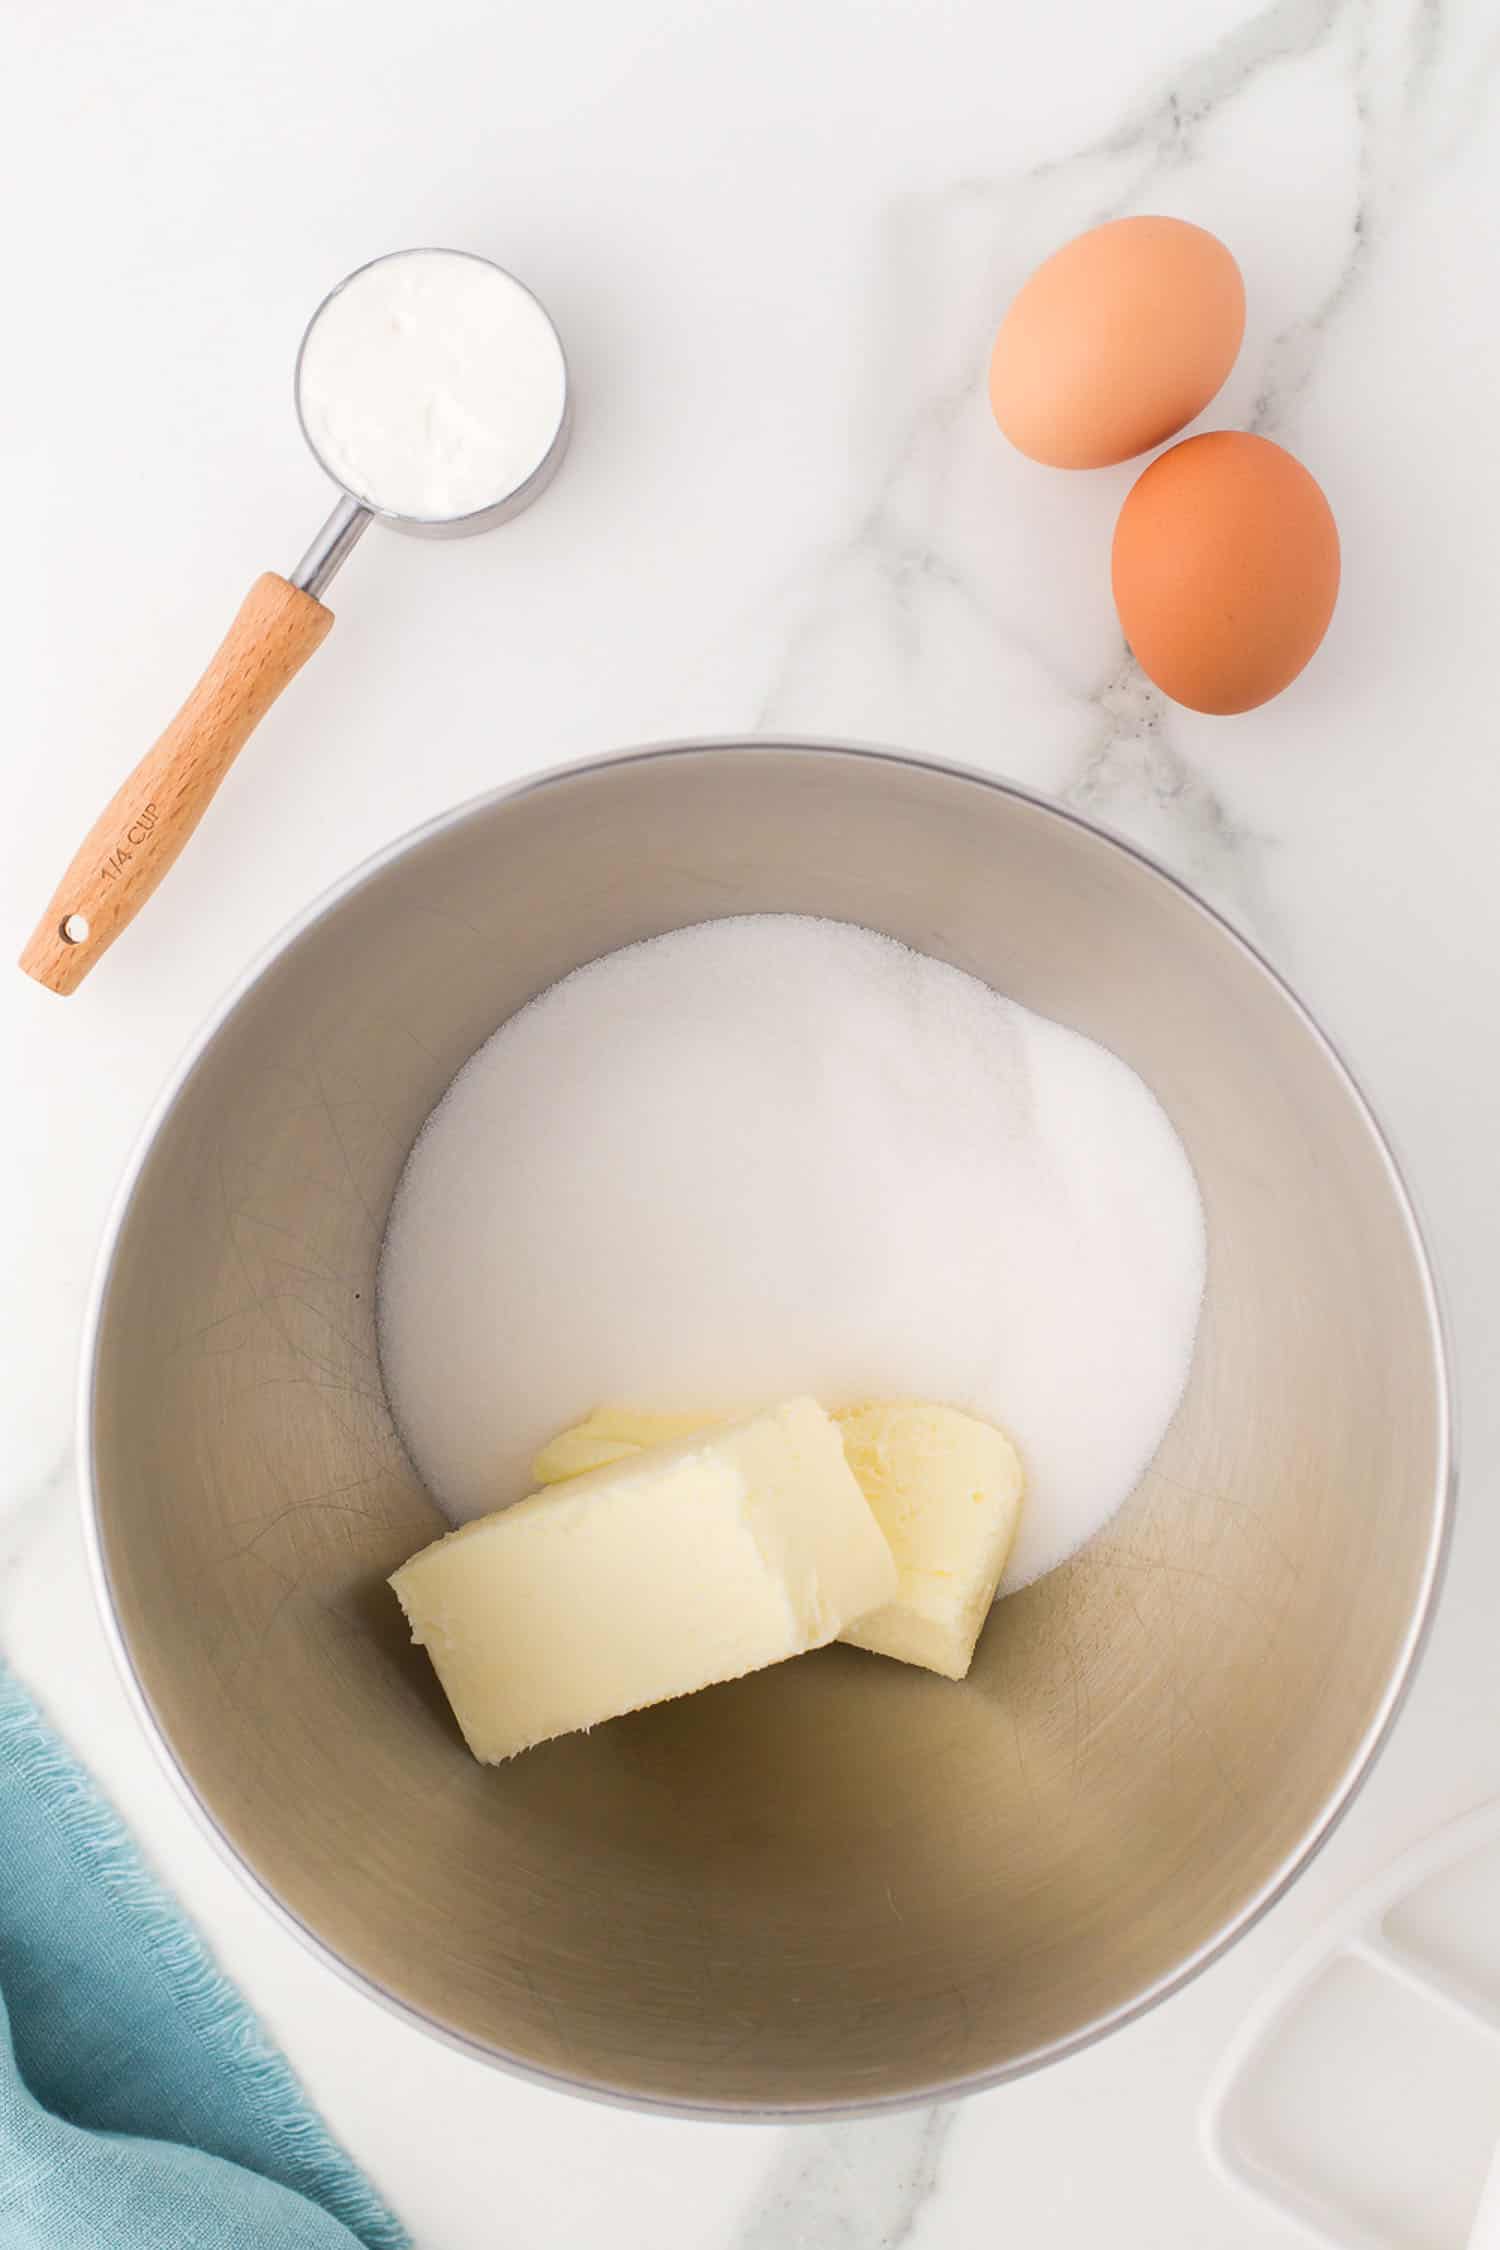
(281, 621)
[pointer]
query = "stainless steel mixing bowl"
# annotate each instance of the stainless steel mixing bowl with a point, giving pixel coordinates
(842, 1883)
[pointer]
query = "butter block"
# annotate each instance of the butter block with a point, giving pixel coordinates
(611, 1433)
(946, 1490)
(649, 1578)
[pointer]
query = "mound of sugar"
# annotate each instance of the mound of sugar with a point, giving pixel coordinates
(771, 1156)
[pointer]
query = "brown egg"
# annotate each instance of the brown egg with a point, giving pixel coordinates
(1116, 342)
(1226, 570)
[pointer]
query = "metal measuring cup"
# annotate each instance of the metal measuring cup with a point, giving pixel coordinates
(281, 621)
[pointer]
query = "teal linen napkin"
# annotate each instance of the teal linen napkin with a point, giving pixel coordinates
(141, 2105)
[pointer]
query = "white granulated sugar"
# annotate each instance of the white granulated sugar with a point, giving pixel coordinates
(432, 385)
(772, 1156)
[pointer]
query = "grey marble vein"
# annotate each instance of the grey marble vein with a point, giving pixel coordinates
(24, 1512)
(849, 2187)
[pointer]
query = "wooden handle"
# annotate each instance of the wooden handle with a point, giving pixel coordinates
(151, 816)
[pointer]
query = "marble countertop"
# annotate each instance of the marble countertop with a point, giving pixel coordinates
(776, 239)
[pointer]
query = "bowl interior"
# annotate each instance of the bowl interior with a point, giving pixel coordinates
(841, 1881)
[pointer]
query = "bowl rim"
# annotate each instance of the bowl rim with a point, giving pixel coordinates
(1357, 1769)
